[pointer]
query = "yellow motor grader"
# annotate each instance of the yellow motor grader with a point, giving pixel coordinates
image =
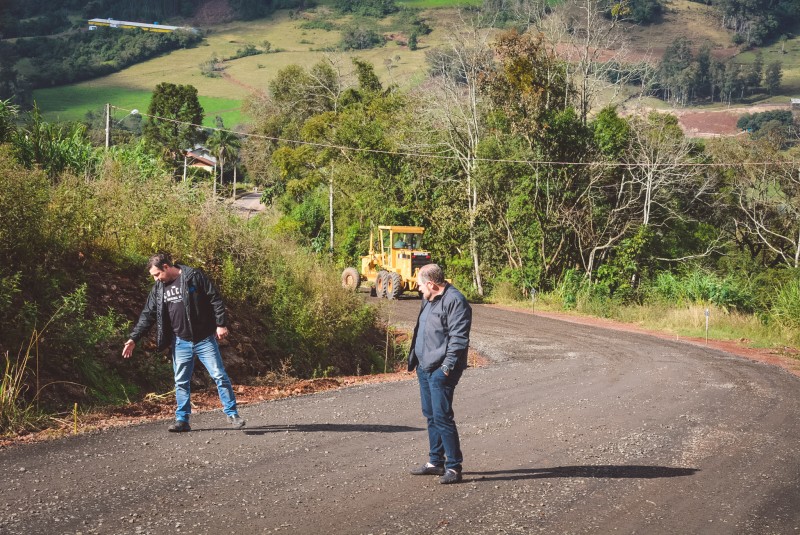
(392, 265)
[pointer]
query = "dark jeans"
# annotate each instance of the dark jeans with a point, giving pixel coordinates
(436, 392)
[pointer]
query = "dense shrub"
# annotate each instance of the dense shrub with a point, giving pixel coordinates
(367, 8)
(318, 24)
(644, 11)
(754, 122)
(61, 231)
(358, 38)
(701, 287)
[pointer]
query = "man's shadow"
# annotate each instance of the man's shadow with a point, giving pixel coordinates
(590, 471)
(330, 428)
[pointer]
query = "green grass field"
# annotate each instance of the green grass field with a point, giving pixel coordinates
(70, 103)
(394, 63)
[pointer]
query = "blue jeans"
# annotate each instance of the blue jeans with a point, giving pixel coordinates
(436, 392)
(183, 363)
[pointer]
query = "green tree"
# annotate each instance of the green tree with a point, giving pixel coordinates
(755, 73)
(412, 41)
(611, 133)
(367, 79)
(175, 116)
(457, 115)
(772, 77)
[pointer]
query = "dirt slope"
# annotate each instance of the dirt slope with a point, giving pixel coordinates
(572, 429)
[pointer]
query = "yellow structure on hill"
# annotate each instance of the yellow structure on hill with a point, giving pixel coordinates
(111, 23)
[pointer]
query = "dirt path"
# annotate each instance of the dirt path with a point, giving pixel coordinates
(236, 81)
(710, 123)
(572, 429)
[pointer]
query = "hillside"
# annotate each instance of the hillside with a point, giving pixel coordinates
(303, 36)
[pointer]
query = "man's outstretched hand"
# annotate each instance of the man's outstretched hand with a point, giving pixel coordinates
(222, 332)
(127, 350)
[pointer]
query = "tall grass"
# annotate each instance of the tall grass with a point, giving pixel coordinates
(786, 306)
(16, 413)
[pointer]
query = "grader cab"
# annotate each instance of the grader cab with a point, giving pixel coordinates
(392, 263)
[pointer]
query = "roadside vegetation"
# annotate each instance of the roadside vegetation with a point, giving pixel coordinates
(78, 225)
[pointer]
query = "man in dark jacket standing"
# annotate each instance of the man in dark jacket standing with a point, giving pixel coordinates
(439, 353)
(189, 316)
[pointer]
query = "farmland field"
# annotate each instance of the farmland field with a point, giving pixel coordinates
(293, 44)
(294, 41)
(71, 103)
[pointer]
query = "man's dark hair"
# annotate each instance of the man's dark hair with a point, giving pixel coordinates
(432, 273)
(158, 261)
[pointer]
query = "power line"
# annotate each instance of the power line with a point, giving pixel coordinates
(441, 156)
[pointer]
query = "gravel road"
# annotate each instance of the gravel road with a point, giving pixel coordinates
(571, 429)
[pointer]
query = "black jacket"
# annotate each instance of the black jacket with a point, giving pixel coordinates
(446, 337)
(204, 308)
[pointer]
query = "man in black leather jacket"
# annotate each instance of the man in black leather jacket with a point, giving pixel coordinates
(189, 315)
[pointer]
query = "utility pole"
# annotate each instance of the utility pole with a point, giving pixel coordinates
(330, 208)
(108, 125)
(233, 195)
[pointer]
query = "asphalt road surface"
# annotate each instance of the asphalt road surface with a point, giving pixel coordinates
(249, 203)
(571, 429)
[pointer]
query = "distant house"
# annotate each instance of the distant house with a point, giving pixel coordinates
(200, 157)
(111, 23)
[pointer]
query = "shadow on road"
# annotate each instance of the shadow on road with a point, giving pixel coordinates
(599, 471)
(338, 428)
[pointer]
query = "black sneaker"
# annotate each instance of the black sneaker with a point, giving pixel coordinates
(428, 470)
(180, 426)
(450, 477)
(236, 422)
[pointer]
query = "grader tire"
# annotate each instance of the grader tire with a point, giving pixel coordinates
(380, 283)
(351, 280)
(394, 285)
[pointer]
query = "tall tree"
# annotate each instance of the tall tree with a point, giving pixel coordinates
(591, 37)
(772, 77)
(658, 161)
(294, 95)
(174, 119)
(764, 195)
(456, 107)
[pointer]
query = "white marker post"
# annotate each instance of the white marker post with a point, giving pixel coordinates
(707, 315)
(533, 300)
